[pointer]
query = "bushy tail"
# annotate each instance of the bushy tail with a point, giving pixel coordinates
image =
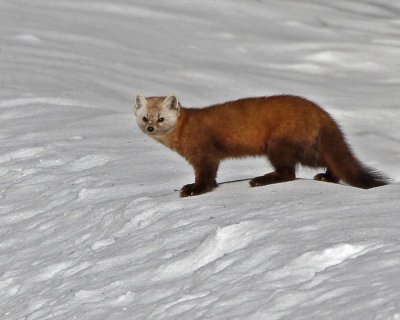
(344, 165)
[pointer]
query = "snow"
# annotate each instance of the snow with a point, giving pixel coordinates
(91, 223)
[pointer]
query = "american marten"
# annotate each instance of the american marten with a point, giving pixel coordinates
(289, 130)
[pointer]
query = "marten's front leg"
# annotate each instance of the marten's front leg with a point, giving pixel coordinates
(206, 172)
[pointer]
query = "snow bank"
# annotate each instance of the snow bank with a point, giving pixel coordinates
(91, 224)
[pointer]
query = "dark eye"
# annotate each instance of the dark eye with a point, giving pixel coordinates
(161, 119)
(145, 119)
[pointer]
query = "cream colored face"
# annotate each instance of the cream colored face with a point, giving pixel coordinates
(157, 116)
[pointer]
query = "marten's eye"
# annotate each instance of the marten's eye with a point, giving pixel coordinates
(145, 119)
(161, 119)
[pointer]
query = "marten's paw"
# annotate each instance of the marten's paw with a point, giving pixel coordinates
(194, 189)
(326, 177)
(272, 177)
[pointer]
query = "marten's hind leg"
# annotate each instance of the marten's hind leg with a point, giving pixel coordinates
(283, 159)
(328, 176)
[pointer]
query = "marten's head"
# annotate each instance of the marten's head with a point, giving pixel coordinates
(157, 115)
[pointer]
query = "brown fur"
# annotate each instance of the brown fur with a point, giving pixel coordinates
(289, 130)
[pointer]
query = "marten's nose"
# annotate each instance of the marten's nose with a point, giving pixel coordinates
(150, 129)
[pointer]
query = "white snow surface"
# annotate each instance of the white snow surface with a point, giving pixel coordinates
(91, 223)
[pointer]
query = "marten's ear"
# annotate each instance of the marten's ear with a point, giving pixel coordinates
(171, 102)
(140, 102)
